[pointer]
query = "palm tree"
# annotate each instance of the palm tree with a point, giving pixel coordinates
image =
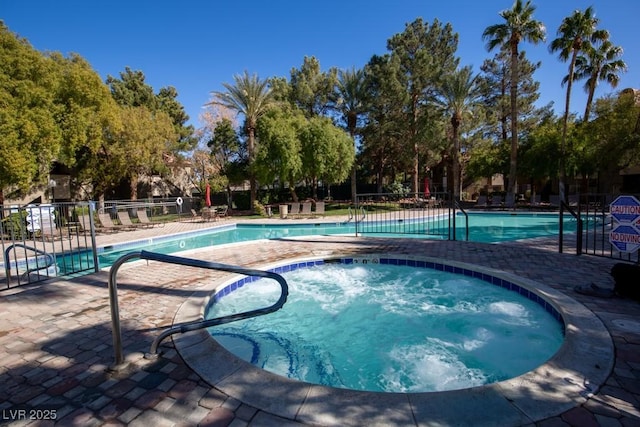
(458, 93)
(600, 63)
(349, 101)
(519, 26)
(250, 97)
(575, 34)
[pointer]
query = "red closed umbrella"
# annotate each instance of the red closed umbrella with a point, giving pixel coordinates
(427, 192)
(207, 196)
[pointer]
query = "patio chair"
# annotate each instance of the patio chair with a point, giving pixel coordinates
(294, 209)
(125, 220)
(496, 201)
(144, 218)
(306, 209)
(319, 208)
(554, 201)
(107, 224)
(510, 201)
(481, 202)
(221, 211)
(574, 200)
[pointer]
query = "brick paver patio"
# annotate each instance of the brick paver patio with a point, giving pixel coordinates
(56, 340)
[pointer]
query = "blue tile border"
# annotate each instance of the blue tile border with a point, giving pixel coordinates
(494, 280)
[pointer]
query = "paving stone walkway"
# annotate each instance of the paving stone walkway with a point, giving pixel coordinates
(56, 340)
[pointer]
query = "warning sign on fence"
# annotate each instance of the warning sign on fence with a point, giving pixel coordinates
(625, 234)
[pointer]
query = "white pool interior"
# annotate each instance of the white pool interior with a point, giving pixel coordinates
(392, 325)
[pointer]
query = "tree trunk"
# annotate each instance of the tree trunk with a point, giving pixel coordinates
(514, 121)
(455, 157)
(592, 89)
(252, 176)
(133, 186)
(565, 120)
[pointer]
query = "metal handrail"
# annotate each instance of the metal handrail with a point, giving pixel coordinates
(187, 326)
(466, 217)
(578, 217)
(364, 214)
(7, 262)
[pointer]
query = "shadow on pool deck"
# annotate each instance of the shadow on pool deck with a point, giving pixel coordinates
(56, 341)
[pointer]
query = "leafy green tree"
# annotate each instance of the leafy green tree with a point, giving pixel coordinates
(250, 97)
(143, 139)
(541, 149)
(611, 141)
(424, 54)
(601, 62)
(87, 114)
(458, 94)
(519, 26)
(327, 152)
(384, 134)
(30, 138)
(575, 34)
(310, 88)
(132, 90)
(350, 100)
(278, 157)
(167, 99)
(225, 151)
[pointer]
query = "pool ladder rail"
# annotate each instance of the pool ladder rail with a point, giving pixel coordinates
(187, 326)
(50, 261)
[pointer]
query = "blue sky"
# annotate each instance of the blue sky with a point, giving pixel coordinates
(196, 45)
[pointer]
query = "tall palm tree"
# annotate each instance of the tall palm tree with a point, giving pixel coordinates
(350, 94)
(519, 26)
(600, 63)
(250, 97)
(575, 34)
(458, 94)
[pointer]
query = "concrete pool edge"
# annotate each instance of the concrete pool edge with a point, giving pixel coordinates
(567, 380)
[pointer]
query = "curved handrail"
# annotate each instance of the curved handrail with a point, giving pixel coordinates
(350, 215)
(578, 218)
(363, 211)
(50, 259)
(466, 218)
(187, 326)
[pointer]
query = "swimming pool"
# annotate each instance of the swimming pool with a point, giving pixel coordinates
(483, 227)
(387, 325)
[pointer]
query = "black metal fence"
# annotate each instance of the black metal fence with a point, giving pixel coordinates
(592, 211)
(44, 241)
(430, 215)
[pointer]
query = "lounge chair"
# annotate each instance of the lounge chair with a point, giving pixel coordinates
(535, 200)
(306, 209)
(319, 208)
(481, 202)
(125, 220)
(510, 201)
(554, 201)
(107, 224)
(574, 200)
(294, 209)
(144, 219)
(496, 201)
(221, 211)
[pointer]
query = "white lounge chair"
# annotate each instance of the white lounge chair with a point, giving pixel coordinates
(306, 209)
(294, 209)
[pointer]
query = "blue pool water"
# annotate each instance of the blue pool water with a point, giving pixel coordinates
(390, 328)
(483, 227)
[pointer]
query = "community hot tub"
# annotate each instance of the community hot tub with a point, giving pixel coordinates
(566, 379)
